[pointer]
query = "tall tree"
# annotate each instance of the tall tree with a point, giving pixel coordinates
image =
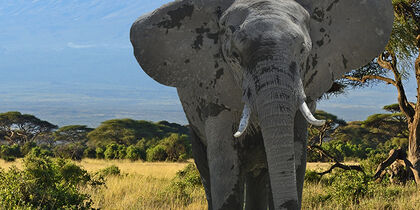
(20, 128)
(393, 67)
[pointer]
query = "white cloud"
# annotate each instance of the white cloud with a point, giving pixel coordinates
(79, 46)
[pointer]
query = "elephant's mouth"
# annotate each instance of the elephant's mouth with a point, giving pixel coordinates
(303, 107)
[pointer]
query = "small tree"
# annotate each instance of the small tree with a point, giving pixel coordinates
(20, 128)
(391, 67)
(176, 145)
(134, 153)
(157, 153)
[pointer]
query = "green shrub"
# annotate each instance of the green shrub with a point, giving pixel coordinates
(41, 152)
(133, 153)
(122, 152)
(72, 151)
(89, 153)
(100, 153)
(185, 183)
(157, 153)
(348, 187)
(111, 151)
(45, 184)
(109, 171)
(312, 176)
(176, 145)
(7, 151)
(27, 147)
(372, 162)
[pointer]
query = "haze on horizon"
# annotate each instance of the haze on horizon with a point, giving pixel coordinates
(71, 62)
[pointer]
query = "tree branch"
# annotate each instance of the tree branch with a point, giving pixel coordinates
(367, 77)
(342, 166)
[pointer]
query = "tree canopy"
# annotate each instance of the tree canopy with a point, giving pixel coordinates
(128, 131)
(20, 128)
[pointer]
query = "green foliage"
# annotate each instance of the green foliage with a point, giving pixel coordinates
(157, 153)
(10, 153)
(72, 151)
(111, 151)
(72, 133)
(372, 162)
(175, 146)
(89, 152)
(134, 153)
(406, 28)
(312, 177)
(21, 128)
(41, 152)
(45, 184)
(100, 153)
(349, 187)
(185, 182)
(128, 131)
(27, 147)
(109, 171)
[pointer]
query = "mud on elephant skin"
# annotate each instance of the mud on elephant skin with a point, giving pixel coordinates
(245, 71)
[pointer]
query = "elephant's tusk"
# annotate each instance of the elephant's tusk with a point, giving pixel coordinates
(308, 115)
(246, 113)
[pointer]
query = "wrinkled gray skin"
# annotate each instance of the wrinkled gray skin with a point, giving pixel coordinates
(221, 54)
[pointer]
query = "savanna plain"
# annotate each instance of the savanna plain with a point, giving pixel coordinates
(169, 185)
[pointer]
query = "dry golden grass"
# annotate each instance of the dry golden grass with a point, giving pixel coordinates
(153, 169)
(5, 165)
(145, 186)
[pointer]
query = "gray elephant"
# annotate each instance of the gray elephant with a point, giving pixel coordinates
(245, 72)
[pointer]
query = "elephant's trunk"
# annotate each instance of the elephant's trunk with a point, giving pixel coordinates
(276, 121)
(277, 96)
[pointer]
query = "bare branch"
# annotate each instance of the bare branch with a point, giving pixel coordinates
(342, 166)
(367, 77)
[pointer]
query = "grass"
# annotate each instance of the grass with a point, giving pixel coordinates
(147, 186)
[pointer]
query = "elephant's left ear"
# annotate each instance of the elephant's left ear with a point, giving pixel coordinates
(346, 34)
(179, 42)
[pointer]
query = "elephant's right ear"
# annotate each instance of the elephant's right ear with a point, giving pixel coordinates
(179, 42)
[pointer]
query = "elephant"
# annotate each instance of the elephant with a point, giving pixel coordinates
(248, 74)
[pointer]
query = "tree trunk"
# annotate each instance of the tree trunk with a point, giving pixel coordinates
(413, 154)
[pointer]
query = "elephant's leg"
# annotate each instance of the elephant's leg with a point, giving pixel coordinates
(199, 152)
(257, 191)
(300, 142)
(226, 183)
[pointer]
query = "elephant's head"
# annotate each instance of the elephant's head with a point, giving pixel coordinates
(280, 52)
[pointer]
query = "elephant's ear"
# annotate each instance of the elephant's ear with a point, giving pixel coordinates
(177, 43)
(346, 34)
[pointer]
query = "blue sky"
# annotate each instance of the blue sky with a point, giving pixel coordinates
(71, 62)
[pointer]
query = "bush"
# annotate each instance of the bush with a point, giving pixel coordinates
(45, 184)
(372, 162)
(72, 151)
(27, 147)
(348, 187)
(10, 153)
(109, 171)
(100, 153)
(122, 151)
(185, 183)
(312, 177)
(157, 153)
(175, 146)
(41, 152)
(111, 151)
(133, 153)
(89, 153)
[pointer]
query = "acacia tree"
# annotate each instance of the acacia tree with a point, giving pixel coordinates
(17, 128)
(392, 67)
